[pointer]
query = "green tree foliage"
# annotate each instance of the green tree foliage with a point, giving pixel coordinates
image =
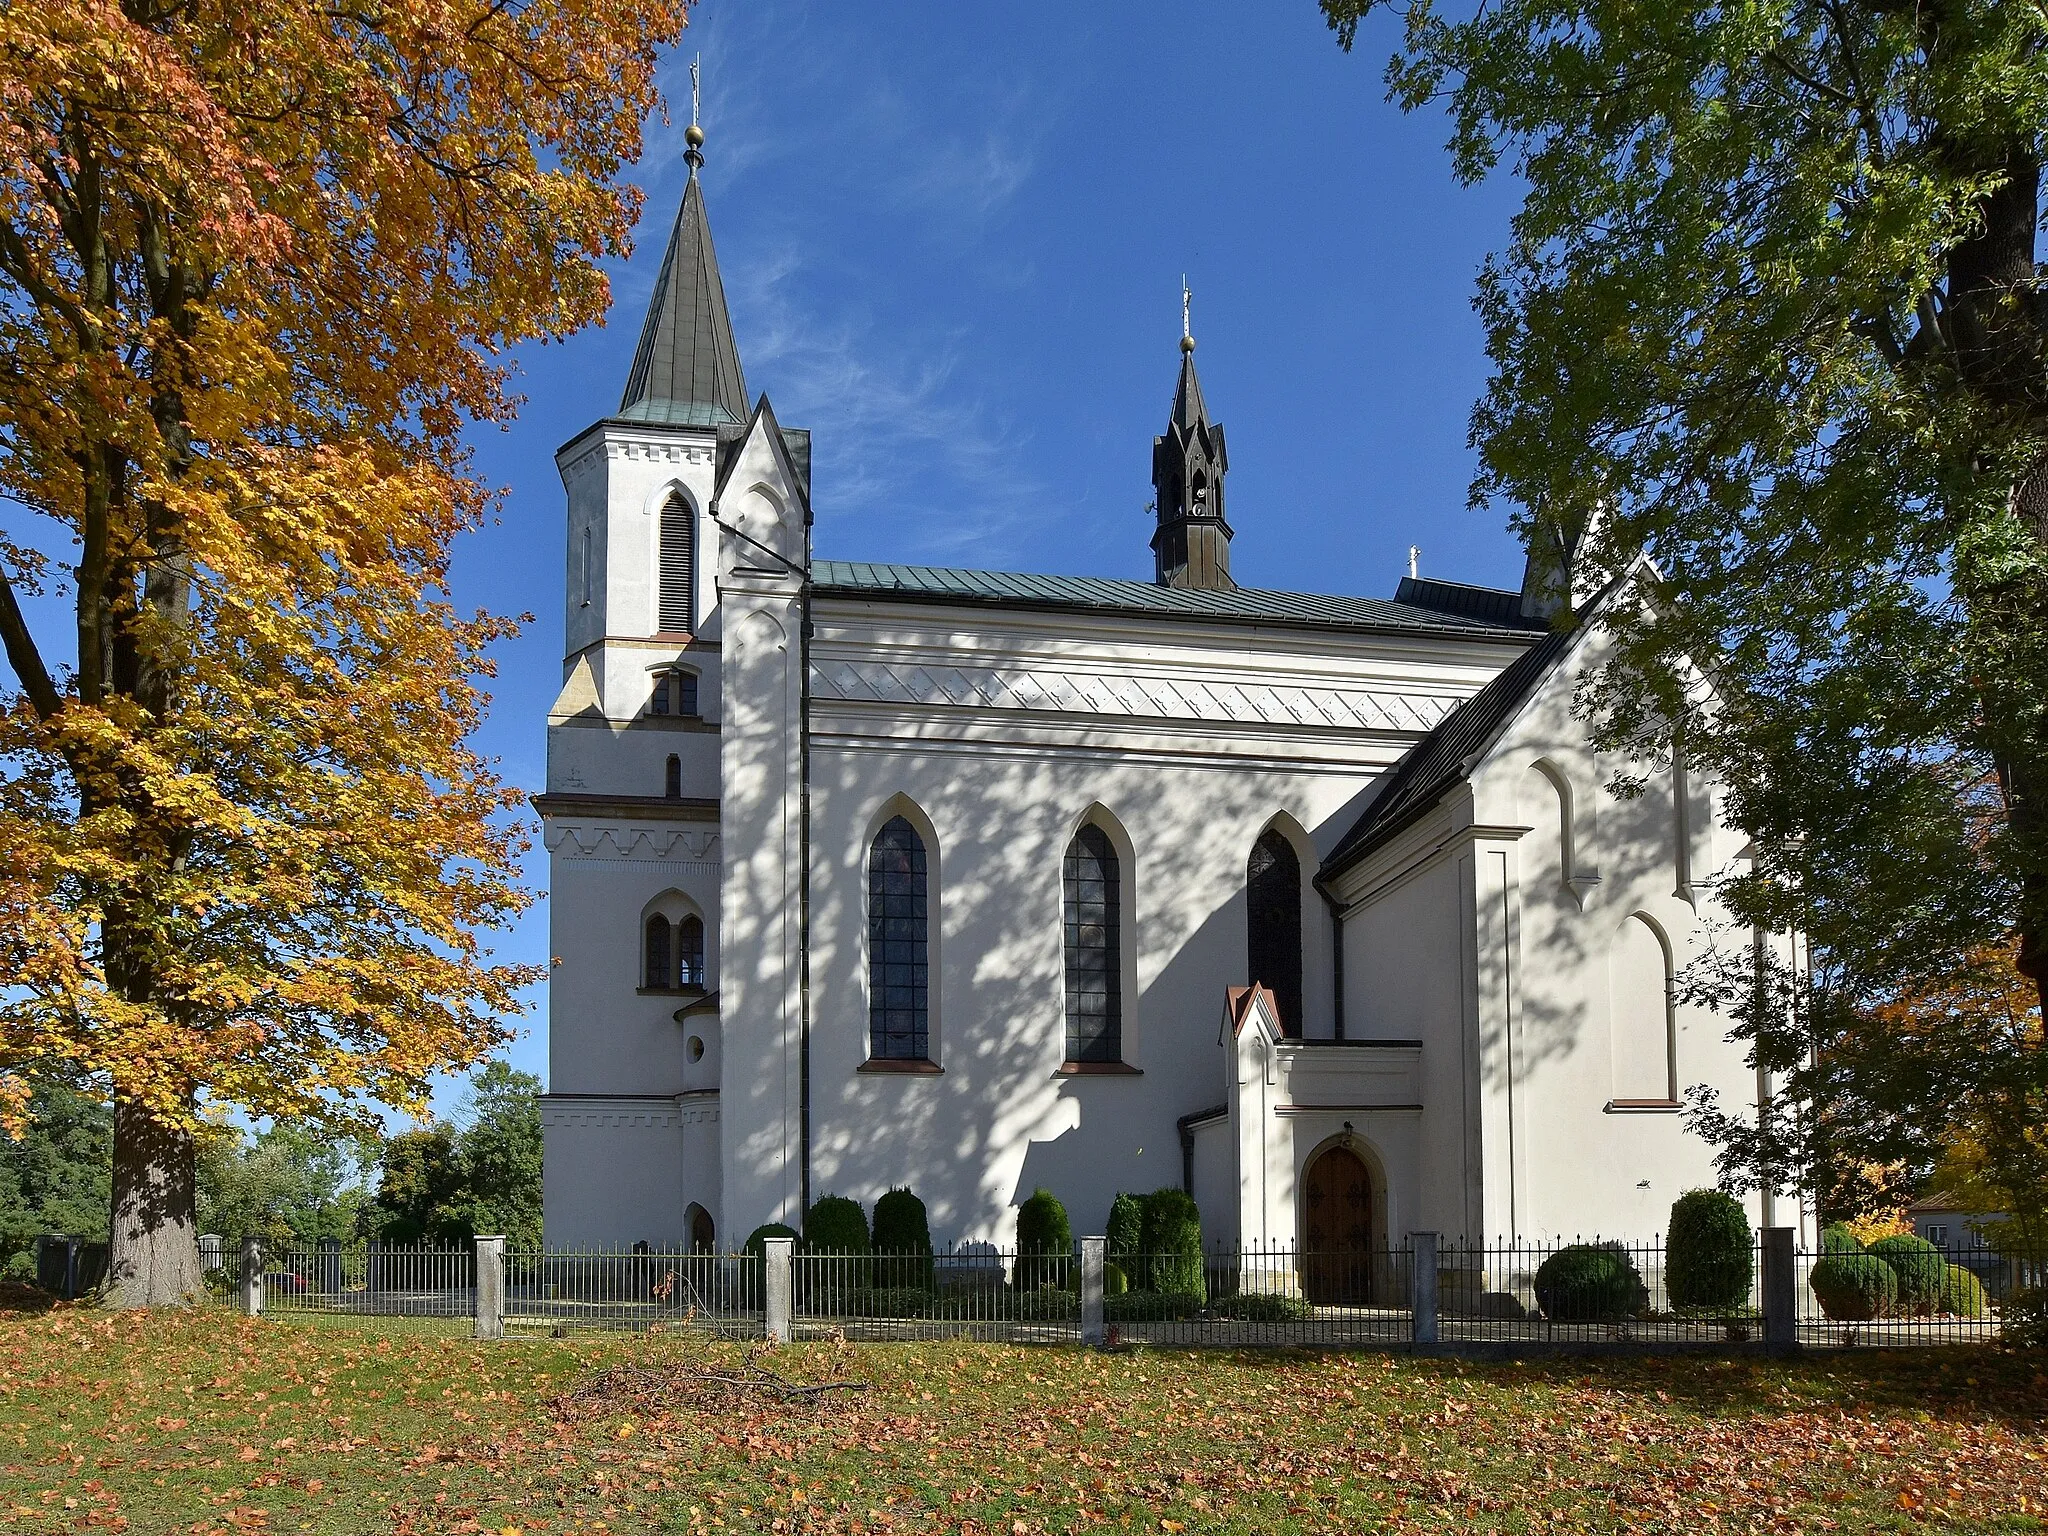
(421, 1197)
(447, 1182)
(499, 1145)
(58, 1176)
(1710, 1252)
(1770, 313)
(1045, 1241)
(289, 1185)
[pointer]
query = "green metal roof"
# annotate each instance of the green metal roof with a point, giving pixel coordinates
(1011, 589)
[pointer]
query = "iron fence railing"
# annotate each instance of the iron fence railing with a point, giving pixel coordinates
(1423, 1293)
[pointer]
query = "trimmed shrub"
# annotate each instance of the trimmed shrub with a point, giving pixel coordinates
(1710, 1253)
(1125, 1232)
(1114, 1281)
(1045, 1242)
(1836, 1238)
(1919, 1266)
(757, 1240)
(1590, 1281)
(1170, 1244)
(835, 1224)
(891, 1301)
(902, 1242)
(1854, 1287)
(836, 1231)
(1962, 1293)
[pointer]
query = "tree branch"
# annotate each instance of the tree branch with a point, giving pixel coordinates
(23, 656)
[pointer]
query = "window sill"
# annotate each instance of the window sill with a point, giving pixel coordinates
(669, 991)
(1642, 1107)
(1097, 1069)
(890, 1066)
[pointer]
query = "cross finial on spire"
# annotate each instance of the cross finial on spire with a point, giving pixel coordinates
(1187, 296)
(694, 134)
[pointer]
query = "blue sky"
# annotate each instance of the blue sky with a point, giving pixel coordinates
(952, 240)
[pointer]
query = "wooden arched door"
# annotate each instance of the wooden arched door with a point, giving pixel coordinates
(1336, 1230)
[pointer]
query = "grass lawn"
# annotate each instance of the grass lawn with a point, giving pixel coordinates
(208, 1422)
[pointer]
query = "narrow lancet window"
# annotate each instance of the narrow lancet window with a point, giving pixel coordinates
(899, 974)
(658, 973)
(1093, 948)
(1273, 923)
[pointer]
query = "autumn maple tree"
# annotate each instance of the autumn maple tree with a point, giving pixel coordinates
(257, 265)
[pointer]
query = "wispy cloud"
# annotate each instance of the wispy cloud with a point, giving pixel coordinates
(912, 464)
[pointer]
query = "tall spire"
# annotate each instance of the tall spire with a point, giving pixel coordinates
(686, 370)
(1192, 544)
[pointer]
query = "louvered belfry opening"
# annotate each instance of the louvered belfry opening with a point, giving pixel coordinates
(678, 565)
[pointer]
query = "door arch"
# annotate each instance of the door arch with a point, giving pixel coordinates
(703, 1231)
(1337, 1225)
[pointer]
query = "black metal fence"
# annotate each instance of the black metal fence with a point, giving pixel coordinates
(1452, 1295)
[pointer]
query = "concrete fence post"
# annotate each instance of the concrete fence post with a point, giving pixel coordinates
(252, 1276)
(776, 1290)
(1422, 1287)
(1093, 1250)
(1780, 1291)
(490, 1287)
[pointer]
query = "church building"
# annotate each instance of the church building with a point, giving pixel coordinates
(868, 875)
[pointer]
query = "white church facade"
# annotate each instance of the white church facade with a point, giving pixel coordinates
(868, 875)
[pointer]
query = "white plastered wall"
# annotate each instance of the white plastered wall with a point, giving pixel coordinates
(1003, 789)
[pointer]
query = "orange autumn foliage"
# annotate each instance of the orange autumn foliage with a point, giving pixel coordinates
(257, 265)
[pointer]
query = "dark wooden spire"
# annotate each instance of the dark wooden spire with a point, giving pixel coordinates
(1192, 544)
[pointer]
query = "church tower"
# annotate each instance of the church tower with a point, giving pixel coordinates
(1192, 544)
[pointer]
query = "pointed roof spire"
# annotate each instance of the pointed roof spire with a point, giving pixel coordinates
(686, 370)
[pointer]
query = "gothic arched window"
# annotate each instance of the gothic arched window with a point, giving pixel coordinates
(1273, 923)
(678, 564)
(899, 974)
(1095, 1007)
(690, 951)
(657, 972)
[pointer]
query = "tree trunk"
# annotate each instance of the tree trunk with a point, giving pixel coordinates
(154, 1257)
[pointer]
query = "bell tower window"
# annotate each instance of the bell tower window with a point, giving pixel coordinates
(678, 564)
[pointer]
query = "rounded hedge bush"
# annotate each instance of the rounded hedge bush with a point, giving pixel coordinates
(1710, 1253)
(902, 1242)
(1854, 1287)
(757, 1240)
(1114, 1281)
(1590, 1281)
(1962, 1293)
(835, 1224)
(1919, 1266)
(1836, 1238)
(1170, 1244)
(1125, 1231)
(1045, 1241)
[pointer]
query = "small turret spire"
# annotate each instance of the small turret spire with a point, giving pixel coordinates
(1192, 544)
